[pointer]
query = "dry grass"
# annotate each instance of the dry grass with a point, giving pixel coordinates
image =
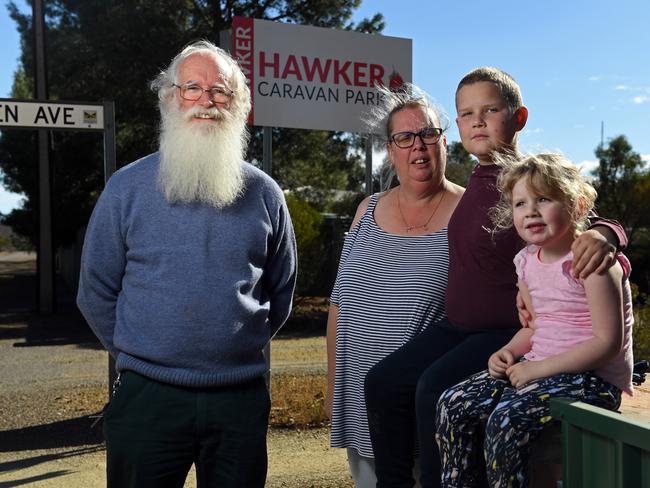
(298, 382)
(298, 400)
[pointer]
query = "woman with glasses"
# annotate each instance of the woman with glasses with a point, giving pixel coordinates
(393, 269)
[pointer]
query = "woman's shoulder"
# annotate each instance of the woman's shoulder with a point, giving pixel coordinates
(369, 201)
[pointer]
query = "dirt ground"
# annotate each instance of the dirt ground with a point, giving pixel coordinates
(53, 382)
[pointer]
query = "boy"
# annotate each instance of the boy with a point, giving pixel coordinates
(481, 292)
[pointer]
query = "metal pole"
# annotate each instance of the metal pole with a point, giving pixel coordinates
(110, 155)
(369, 165)
(45, 259)
(267, 150)
(110, 165)
(267, 167)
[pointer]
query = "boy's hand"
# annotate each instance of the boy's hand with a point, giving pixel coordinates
(592, 252)
(525, 316)
(499, 362)
(521, 373)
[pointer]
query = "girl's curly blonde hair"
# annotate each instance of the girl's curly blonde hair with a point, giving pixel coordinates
(546, 174)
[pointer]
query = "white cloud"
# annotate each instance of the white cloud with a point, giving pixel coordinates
(646, 158)
(533, 131)
(641, 99)
(594, 78)
(587, 166)
(621, 87)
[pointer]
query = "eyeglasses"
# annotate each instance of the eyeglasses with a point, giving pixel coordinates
(191, 92)
(429, 136)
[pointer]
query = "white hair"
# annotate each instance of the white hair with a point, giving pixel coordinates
(240, 103)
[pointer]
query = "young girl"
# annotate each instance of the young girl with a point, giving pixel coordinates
(578, 347)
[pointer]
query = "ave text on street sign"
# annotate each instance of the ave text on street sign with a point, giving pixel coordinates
(51, 115)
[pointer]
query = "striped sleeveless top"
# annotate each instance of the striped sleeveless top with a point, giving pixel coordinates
(388, 289)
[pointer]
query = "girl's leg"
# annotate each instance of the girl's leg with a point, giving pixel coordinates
(523, 413)
(467, 358)
(460, 411)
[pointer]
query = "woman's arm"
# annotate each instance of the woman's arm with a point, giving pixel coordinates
(604, 296)
(331, 357)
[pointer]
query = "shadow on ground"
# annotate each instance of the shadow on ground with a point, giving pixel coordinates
(81, 431)
(19, 318)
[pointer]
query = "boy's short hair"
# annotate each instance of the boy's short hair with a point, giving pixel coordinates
(510, 91)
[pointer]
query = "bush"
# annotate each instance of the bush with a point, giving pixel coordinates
(307, 223)
(641, 331)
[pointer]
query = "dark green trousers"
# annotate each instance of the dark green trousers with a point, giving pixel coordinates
(155, 432)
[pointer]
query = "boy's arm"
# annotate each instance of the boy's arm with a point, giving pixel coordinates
(604, 296)
(525, 305)
(595, 249)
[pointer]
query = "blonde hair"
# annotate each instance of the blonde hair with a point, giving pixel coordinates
(546, 174)
(508, 87)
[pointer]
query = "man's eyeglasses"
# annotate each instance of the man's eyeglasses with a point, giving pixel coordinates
(429, 136)
(192, 92)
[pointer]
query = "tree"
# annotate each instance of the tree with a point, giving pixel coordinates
(459, 164)
(623, 185)
(111, 50)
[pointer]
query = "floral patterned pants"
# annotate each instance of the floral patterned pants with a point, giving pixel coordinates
(512, 418)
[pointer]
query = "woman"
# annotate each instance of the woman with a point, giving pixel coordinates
(393, 270)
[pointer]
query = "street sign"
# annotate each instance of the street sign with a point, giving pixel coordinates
(307, 77)
(51, 115)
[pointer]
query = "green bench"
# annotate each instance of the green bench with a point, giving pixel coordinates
(602, 449)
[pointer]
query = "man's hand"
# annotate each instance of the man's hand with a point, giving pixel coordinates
(592, 252)
(499, 362)
(521, 373)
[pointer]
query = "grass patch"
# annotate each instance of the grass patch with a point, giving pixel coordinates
(298, 400)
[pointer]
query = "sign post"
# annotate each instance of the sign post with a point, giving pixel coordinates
(45, 116)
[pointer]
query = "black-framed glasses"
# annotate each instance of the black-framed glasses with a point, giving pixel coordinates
(429, 136)
(192, 92)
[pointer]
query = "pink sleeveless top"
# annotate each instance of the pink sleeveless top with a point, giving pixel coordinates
(562, 315)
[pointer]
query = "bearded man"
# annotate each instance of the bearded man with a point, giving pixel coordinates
(188, 270)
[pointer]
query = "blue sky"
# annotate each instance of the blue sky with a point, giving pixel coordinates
(578, 62)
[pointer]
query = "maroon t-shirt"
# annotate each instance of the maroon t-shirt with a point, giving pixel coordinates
(481, 292)
(482, 287)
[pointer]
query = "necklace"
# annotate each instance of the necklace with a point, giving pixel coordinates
(410, 228)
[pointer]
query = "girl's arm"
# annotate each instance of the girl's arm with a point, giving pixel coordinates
(331, 357)
(604, 296)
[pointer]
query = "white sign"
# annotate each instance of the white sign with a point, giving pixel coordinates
(50, 115)
(315, 78)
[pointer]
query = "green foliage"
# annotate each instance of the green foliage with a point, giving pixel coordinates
(623, 185)
(459, 164)
(641, 329)
(307, 223)
(99, 50)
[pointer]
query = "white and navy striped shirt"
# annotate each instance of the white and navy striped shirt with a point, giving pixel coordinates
(388, 289)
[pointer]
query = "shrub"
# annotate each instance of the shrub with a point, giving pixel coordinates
(641, 331)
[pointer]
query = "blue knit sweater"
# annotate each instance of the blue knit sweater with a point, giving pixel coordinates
(187, 294)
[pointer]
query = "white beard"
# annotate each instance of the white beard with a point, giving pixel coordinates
(201, 161)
